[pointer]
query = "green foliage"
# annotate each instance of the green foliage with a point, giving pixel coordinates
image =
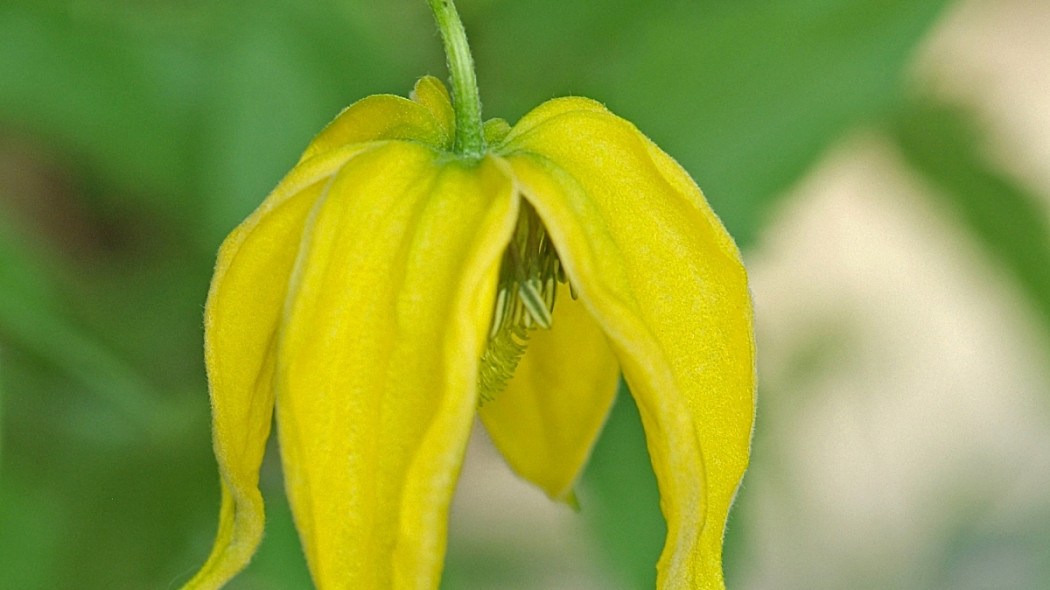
(620, 483)
(744, 94)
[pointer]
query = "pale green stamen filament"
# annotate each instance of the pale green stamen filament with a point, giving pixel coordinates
(528, 283)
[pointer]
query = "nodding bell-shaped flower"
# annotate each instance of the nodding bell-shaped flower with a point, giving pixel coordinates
(389, 290)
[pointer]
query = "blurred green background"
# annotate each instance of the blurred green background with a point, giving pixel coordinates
(135, 134)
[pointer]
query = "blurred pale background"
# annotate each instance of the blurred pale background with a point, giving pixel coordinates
(885, 166)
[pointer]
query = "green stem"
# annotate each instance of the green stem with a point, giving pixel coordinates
(470, 140)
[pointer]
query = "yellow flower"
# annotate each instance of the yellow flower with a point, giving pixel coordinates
(382, 293)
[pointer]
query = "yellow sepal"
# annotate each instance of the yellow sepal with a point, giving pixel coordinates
(655, 267)
(377, 118)
(241, 318)
(378, 359)
(432, 94)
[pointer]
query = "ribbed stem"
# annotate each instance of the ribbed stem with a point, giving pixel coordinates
(470, 140)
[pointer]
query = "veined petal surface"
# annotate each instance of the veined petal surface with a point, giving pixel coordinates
(655, 267)
(380, 117)
(546, 421)
(378, 357)
(545, 112)
(244, 306)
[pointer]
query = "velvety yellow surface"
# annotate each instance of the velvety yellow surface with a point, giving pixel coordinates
(375, 388)
(241, 319)
(357, 300)
(655, 267)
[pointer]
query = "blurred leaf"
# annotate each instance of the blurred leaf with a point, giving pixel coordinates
(197, 108)
(744, 94)
(1, 415)
(29, 318)
(26, 558)
(87, 504)
(277, 78)
(618, 495)
(118, 101)
(1011, 224)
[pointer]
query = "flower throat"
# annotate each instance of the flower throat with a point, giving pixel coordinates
(528, 282)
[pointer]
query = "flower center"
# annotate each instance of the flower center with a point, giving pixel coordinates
(528, 282)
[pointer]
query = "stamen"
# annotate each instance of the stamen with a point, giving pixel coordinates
(528, 282)
(498, 312)
(535, 303)
(498, 363)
